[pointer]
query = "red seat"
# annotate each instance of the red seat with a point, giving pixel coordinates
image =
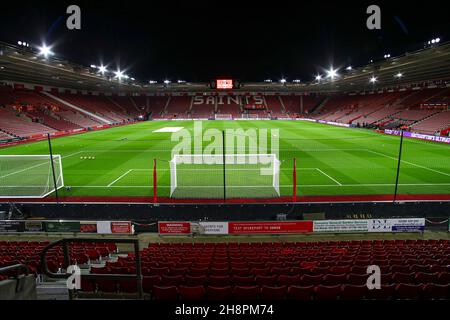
(219, 281)
(273, 293)
(422, 277)
(288, 280)
(400, 268)
(436, 291)
(340, 269)
(243, 272)
(353, 292)
(260, 271)
(191, 293)
(128, 286)
(400, 277)
(219, 293)
(246, 293)
(219, 272)
(334, 279)
(300, 293)
(266, 280)
(444, 278)
(408, 291)
(178, 271)
(243, 281)
(107, 286)
(198, 271)
(149, 282)
(165, 293)
(193, 281)
(327, 292)
(357, 279)
(386, 292)
(172, 280)
(159, 271)
(308, 280)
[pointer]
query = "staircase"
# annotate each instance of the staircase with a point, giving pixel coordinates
(320, 105)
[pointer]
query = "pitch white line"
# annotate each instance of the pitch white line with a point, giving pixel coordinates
(340, 184)
(109, 185)
(410, 163)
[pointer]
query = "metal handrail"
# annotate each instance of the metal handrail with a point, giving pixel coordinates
(14, 267)
(65, 241)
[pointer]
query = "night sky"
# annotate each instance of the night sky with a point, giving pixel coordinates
(202, 40)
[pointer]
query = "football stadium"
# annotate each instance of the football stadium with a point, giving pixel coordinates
(120, 180)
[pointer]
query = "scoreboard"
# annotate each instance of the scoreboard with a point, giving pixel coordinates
(224, 84)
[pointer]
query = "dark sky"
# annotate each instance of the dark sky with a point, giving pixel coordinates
(201, 40)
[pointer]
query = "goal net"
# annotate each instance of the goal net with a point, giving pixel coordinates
(29, 176)
(241, 176)
(223, 116)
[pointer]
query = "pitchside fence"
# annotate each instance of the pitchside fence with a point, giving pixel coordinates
(158, 167)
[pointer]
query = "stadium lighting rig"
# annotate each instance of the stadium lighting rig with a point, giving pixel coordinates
(399, 75)
(23, 44)
(119, 74)
(434, 41)
(349, 68)
(152, 81)
(332, 73)
(166, 81)
(373, 79)
(45, 51)
(102, 69)
(318, 77)
(268, 80)
(296, 81)
(283, 80)
(387, 56)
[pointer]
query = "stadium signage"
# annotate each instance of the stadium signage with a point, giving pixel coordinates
(284, 227)
(174, 228)
(419, 136)
(341, 226)
(12, 226)
(214, 227)
(397, 225)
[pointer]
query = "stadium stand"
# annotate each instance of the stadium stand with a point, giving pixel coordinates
(178, 107)
(411, 269)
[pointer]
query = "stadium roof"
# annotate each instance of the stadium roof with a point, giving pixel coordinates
(26, 65)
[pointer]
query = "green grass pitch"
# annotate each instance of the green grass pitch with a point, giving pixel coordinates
(330, 161)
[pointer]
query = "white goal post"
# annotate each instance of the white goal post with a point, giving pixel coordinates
(223, 116)
(251, 175)
(29, 176)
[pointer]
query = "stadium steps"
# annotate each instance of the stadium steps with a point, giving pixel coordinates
(133, 103)
(320, 105)
(52, 290)
(72, 106)
(125, 111)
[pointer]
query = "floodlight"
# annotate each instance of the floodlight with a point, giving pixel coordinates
(373, 79)
(45, 51)
(283, 80)
(102, 69)
(119, 74)
(332, 73)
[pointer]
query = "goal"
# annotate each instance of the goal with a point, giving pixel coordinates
(223, 116)
(225, 176)
(30, 176)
